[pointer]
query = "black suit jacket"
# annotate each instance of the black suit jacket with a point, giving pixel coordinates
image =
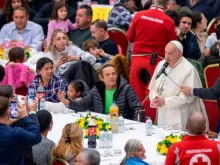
(212, 93)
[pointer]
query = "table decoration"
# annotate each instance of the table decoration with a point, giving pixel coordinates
(162, 146)
(101, 125)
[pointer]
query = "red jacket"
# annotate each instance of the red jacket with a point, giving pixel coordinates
(150, 31)
(194, 150)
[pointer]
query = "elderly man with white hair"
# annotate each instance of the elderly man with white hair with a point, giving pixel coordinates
(173, 106)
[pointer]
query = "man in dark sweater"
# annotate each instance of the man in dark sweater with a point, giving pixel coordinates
(112, 88)
(14, 140)
(100, 33)
(83, 21)
(186, 38)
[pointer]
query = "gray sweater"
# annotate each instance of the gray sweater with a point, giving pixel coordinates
(125, 98)
(42, 152)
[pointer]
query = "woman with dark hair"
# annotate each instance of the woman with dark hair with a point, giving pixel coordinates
(51, 83)
(199, 24)
(10, 5)
(42, 151)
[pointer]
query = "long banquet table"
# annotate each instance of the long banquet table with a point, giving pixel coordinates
(134, 130)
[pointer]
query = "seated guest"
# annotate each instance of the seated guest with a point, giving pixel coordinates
(31, 32)
(165, 95)
(59, 20)
(44, 14)
(88, 156)
(186, 38)
(18, 55)
(100, 97)
(77, 89)
(199, 24)
(91, 46)
(18, 74)
(99, 32)
(212, 38)
(70, 144)
(58, 44)
(42, 151)
(121, 15)
(194, 147)
(83, 21)
(135, 153)
(213, 57)
(51, 83)
(10, 5)
(14, 139)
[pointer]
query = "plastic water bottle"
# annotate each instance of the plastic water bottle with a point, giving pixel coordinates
(6, 46)
(110, 138)
(120, 124)
(101, 139)
(106, 140)
(20, 41)
(148, 126)
(41, 97)
(219, 136)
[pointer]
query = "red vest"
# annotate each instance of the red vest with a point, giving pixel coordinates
(150, 31)
(194, 150)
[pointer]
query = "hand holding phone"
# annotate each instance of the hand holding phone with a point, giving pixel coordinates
(64, 54)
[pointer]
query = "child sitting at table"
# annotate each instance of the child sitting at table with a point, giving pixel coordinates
(16, 72)
(91, 46)
(75, 90)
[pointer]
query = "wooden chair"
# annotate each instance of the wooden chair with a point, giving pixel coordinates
(211, 27)
(101, 12)
(213, 113)
(59, 161)
(120, 38)
(211, 73)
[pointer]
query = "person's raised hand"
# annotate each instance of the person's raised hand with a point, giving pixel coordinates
(211, 134)
(22, 110)
(33, 106)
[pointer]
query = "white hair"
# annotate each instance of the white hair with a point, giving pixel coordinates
(91, 156)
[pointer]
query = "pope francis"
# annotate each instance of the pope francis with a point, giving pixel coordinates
(174, 107)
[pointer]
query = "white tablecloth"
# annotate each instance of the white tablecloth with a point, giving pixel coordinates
(136, 130)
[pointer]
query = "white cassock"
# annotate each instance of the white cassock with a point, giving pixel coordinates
(177, 106)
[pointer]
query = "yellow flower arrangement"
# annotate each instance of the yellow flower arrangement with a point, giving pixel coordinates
(162, 146)
(101, 125)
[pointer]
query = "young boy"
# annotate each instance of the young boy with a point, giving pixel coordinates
(91, 46)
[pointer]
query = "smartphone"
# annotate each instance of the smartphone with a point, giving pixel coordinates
(64, 54)
(13, 110)
(31, 96)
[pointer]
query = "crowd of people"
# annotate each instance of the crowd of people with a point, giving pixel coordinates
(73, 63)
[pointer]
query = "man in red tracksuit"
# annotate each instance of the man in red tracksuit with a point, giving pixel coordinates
(195, 148)
(149, 32)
